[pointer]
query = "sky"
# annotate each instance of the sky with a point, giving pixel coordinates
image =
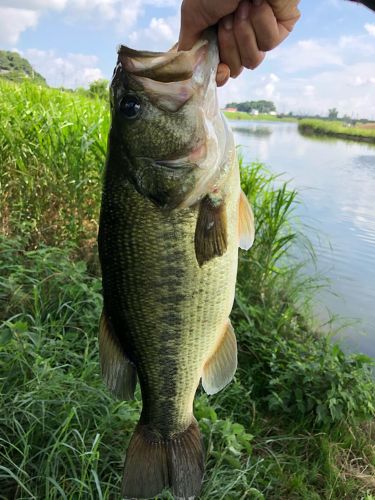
(327, 61)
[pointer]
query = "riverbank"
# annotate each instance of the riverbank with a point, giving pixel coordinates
(364, 133)
(240, 115)
(297, 422)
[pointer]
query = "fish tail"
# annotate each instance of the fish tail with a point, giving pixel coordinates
(153, 464)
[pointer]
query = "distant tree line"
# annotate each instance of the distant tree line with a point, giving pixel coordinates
(261, 106)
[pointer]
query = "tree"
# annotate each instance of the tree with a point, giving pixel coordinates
(333, 114)
(99, 88)
(249, 106)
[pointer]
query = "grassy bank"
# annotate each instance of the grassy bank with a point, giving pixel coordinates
(240, 115)
(296, 422)
(337, 129)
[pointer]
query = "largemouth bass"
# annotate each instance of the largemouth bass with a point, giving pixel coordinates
(172, 219)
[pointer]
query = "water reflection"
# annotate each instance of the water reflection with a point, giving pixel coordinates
(364, 161)
(336, 181)
(258, 131)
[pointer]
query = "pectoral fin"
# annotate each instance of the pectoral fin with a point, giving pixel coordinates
(118, 372)
(211, 230)
(246, 225)
(221, 366)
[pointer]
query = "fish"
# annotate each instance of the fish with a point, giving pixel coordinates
(172, 219)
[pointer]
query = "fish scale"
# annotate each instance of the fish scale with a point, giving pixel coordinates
(166, 300)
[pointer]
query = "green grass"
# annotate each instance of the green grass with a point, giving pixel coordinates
(336, 129)
(297, 422)
(52, 146)
(240, 115)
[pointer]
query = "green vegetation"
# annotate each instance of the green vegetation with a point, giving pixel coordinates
(261, 106)
(15, 68)
(358, 132)
(99, 88)
(240, 115)
(295, 424)
(52, 146)
(333, 114)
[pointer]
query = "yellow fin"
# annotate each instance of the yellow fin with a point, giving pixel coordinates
(246, 224)
(118, 372)
(211, 230)
(221, 367)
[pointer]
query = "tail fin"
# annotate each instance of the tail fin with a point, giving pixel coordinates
(154, 464)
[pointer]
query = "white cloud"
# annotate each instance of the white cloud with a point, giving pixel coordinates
(360, 81)
(14, 21)
(34, 4)
(269, 90)
(306, 54)
(370, 28)
(274, 78)
(160, 34)
(71, 71)
(18, 15)
(129, 15)
(161, 28)
(308, 90)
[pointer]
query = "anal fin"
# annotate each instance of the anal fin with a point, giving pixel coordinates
(211, 230)
(221, 366)
(246, 225)
(119, 373)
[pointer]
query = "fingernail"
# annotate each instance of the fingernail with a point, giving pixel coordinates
(222, 74)
(257, 3)
(228, 23)
(243, 10)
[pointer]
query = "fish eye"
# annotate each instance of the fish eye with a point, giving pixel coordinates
(130, 106)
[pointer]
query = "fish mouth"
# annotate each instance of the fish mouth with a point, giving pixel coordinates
(185, 162)
(177, 165)
(166, 67)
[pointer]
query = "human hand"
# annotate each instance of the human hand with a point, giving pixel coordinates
(246, 29)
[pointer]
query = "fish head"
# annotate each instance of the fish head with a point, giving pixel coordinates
(171, 137)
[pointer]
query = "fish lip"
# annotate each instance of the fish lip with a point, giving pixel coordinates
(173, 165)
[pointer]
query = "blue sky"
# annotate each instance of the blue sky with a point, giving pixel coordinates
(327, 61)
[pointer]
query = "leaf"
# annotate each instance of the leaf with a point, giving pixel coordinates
(5, 337)
(20, 327)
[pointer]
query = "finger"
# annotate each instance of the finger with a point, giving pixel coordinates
(246, 40)
(229, 53)
(267, 31)
(191, 25)
(197, 15)
(222, 74)
(286, 12)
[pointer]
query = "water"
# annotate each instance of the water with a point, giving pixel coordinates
(336, 183)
